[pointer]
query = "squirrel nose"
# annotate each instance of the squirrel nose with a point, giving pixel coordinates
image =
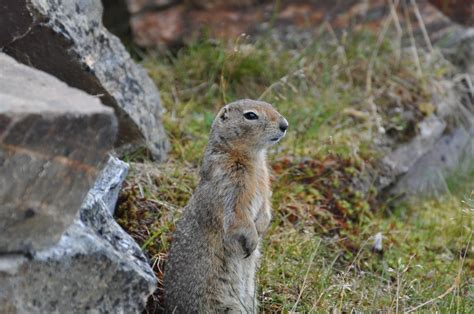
(283, 126)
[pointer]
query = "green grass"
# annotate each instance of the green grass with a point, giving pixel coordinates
(318, 252)
(424, 246)
(321, 89)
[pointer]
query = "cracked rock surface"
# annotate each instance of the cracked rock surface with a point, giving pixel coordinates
(67, 39)
(53, 140)
(95, 267)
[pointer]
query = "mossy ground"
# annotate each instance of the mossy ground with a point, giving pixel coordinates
(339, 95)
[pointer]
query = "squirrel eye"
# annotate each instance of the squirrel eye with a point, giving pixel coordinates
(250, 116)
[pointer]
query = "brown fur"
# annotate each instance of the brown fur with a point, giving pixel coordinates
(214, 254)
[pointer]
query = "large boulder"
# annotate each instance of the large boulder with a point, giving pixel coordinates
(443, 145)
(453, 152)
(95, 267)
(53, 140)
(67, 39)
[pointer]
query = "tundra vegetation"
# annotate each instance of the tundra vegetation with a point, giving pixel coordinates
(339, 95)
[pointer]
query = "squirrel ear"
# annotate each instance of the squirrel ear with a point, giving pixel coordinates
(223, 116)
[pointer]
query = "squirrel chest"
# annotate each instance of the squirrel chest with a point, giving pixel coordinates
(261, 186)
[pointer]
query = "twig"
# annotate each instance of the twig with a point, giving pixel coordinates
(400, 273)
(456, 283)
(413, 43)
(327, 289)
(341, 49)
(140, 188)
(282, 80)
(331, 31)
(305, 278)
(398, 27)
(422, 25)
(397, 296)
(380, 37)
(345, 274)
(166, 205)
(174, 93)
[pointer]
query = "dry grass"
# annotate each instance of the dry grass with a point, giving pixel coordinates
(427, 252)
(318, 252)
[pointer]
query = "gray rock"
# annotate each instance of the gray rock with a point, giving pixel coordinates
(404, 157)
(108, 184)
(444, 146)
(53, 138)
(452, 152)
(95, 267)
(421, 167)
(67, 39)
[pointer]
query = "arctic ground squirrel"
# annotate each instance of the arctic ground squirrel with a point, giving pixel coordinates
(215, 249)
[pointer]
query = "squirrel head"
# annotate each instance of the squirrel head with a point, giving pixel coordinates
(249, 124)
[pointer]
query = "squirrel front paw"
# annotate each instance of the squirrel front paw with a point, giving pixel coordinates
(243, 239)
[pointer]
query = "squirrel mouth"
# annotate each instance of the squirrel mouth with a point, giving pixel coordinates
(278, 138)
